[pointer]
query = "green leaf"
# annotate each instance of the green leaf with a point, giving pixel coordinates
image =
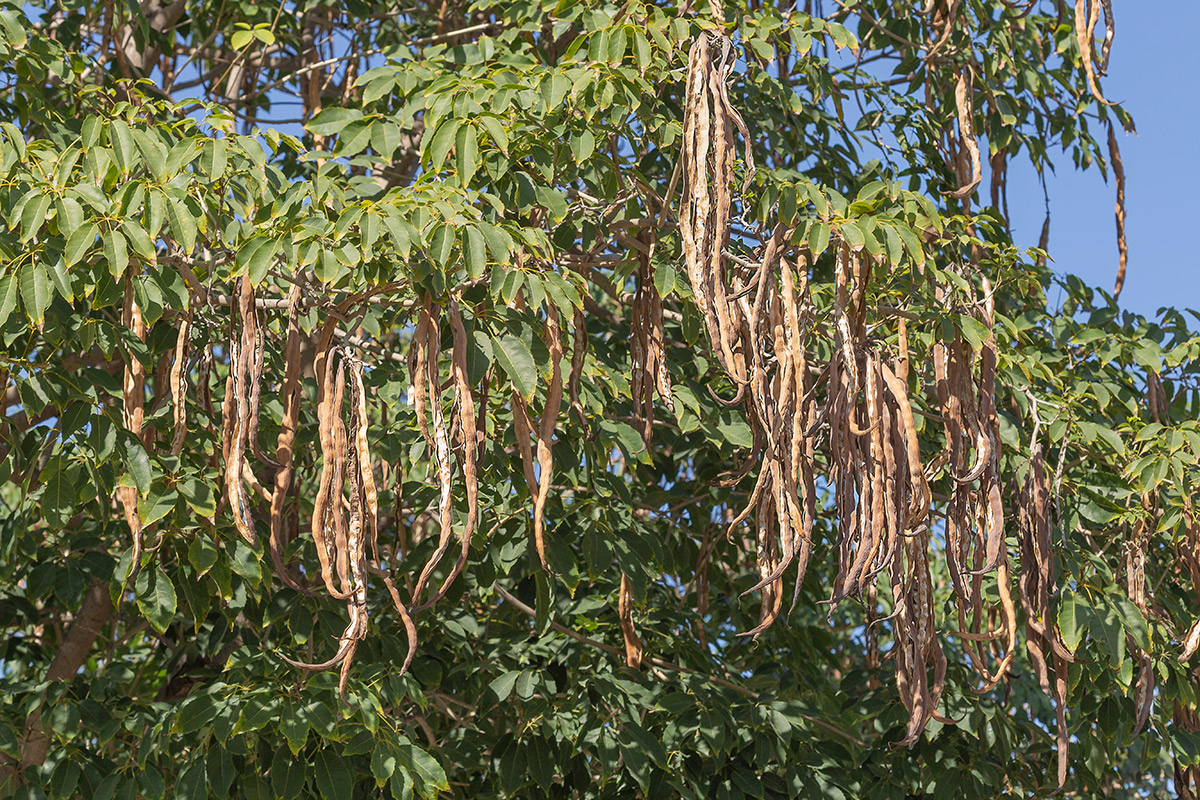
(116, 253)
(818, 238)
(199, 496)
(441, 243)
(354, 138)
(502, 686)
(287, 774)
(332, 120)
(58, 493)
(35, 292)
(183, 226)
(431, 778)
(1069, 626)
(517, 360)
(332, 775)
(220, 772)
(852, 234)
(9, 292)
(582, 146)
(441, 142)
(466, 147)
(383, 763)
(139, 240)
(124, 150)
(60, 277)
(79, 242)
(241, 38)
(137, 463)
(202, 553)
(153, 506)
(255, 257)
(33, 215)
(974, 331)
(159, 604)
(474, 252)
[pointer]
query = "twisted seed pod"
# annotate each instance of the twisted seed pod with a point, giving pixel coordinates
(545, 437)
(133, 412)
(179, 382)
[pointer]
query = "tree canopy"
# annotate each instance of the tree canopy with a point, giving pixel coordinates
(580, 400)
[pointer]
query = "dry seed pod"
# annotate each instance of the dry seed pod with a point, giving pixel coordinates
(1086, 14)
(633, 645)
(179, 382)
(242, 345)
(286, 440)
(133, 411)
(968, 181)
(1114, 158)
(545, 433)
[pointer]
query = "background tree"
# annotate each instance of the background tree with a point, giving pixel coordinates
(626, 400)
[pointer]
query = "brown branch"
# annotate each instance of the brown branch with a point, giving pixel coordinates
(71, 655)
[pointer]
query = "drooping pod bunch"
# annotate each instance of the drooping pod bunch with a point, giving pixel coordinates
(346, 511)
(285, 442)
(880, 488)
(240, 409)
(975, 512)
(468, 434)
(1087, 15)
(1036, 584)
(780, 399)
(756, 320)
(426, 395)
(707, 167)
(916, 642)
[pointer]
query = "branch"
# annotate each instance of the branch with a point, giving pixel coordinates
(70, 657)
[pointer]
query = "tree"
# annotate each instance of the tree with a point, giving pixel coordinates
(606, 400)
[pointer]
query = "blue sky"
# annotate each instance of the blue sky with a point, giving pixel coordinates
(1152, 73)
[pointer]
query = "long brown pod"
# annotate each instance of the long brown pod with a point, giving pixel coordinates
(545, 453)
(240, 354)
(338, 505)
(966, 133)
(366, 474)
(133, 412)
(633, 645)
(286, 440)
(1114, 158)
(418, 378)
(179, 381)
